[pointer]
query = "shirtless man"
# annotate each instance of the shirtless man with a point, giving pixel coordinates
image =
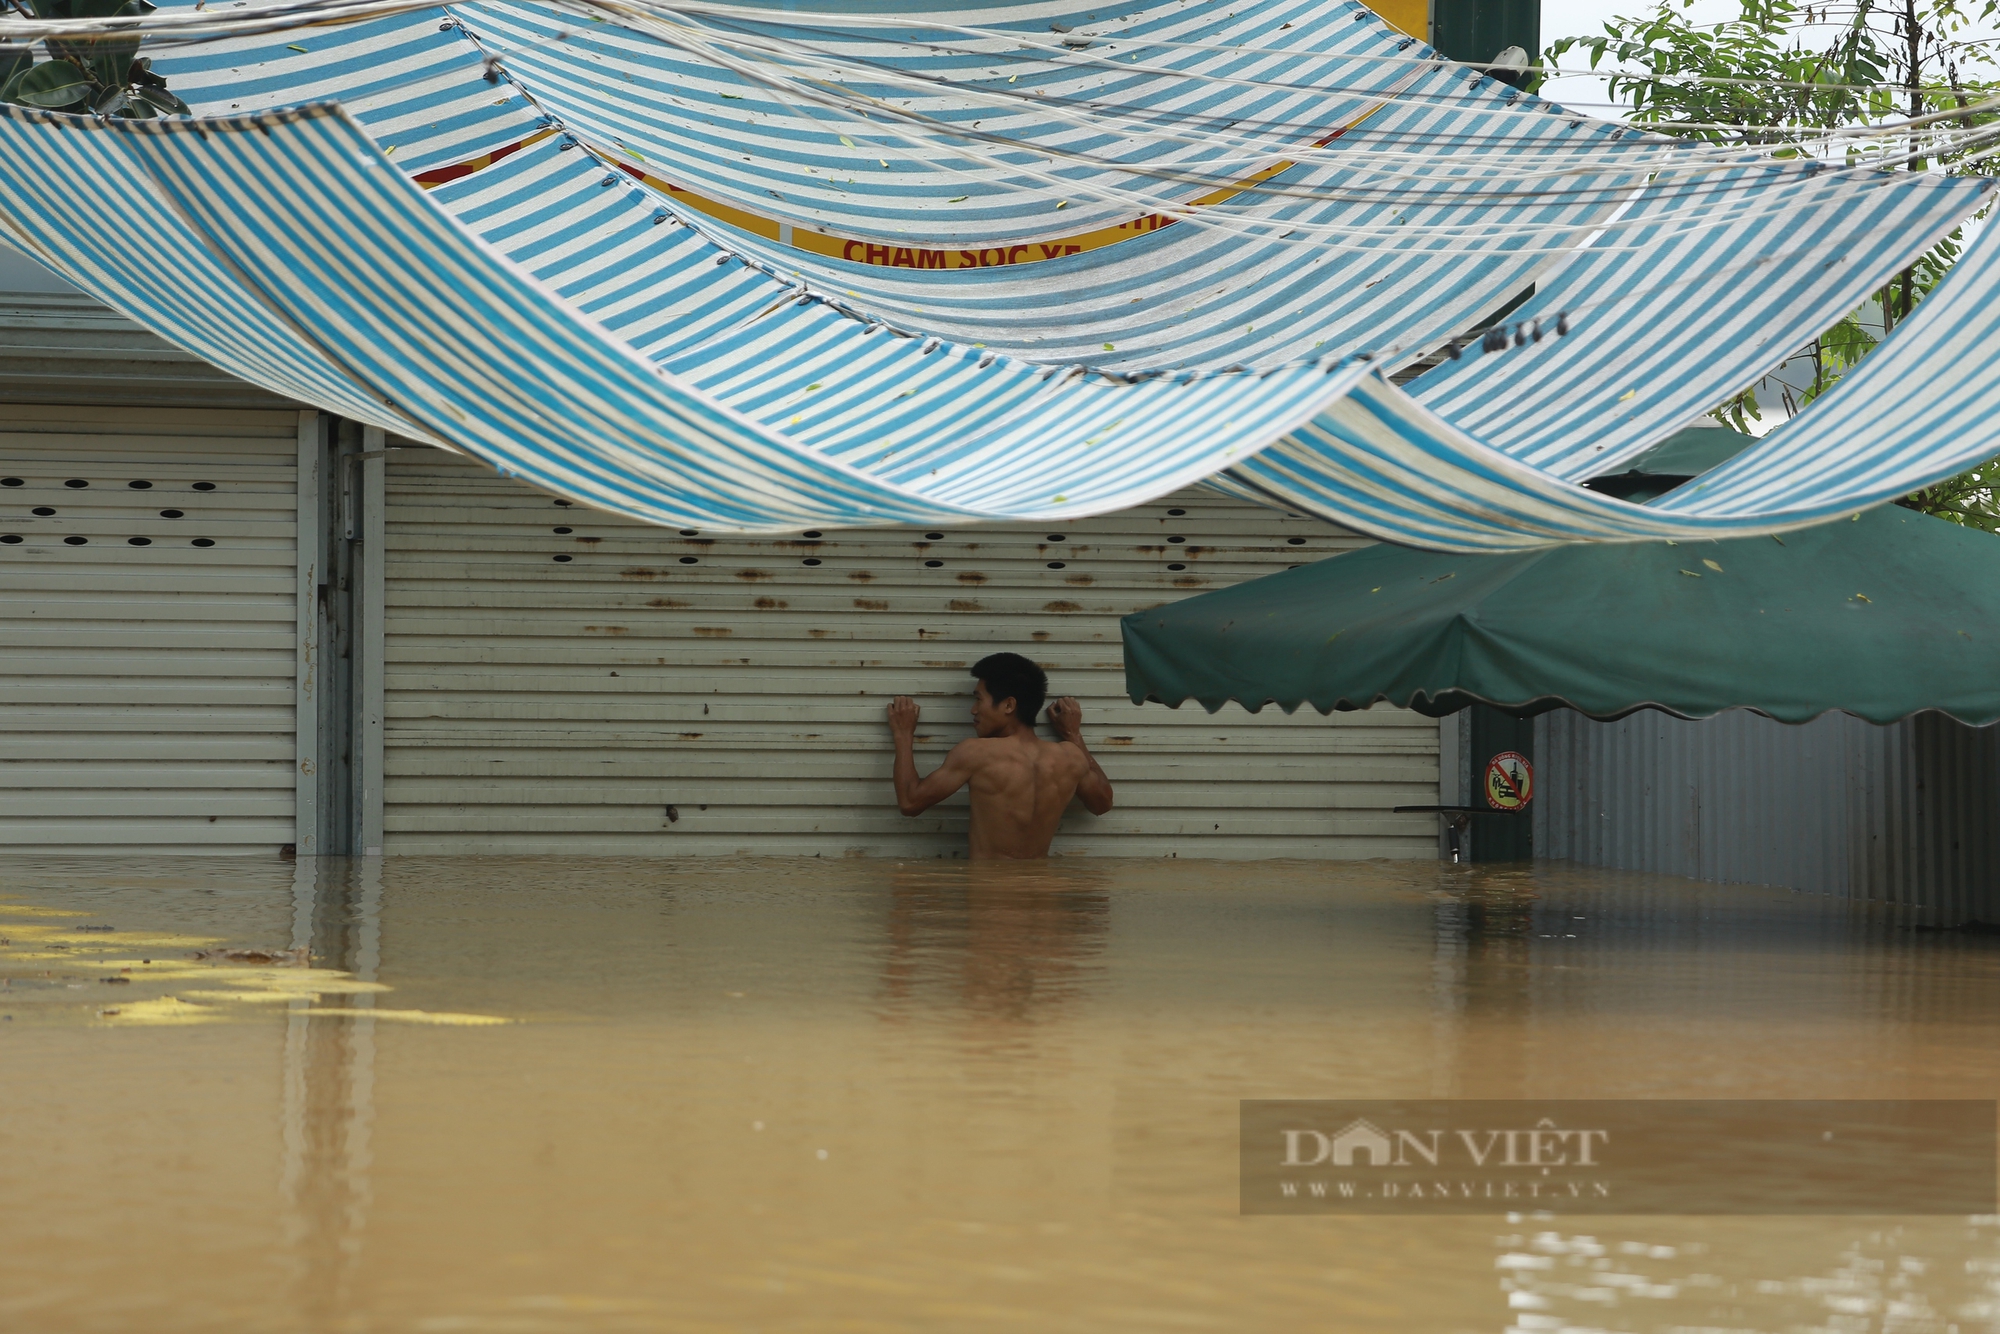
(1021, 784)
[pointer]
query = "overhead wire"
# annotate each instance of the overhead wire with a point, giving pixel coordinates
(1204, 216)
(1573, 312)
(1683, 156)
(328, 10)
(184, 23)
(930, 133)
(1179, 209)
(878, 21)
(1062, 58)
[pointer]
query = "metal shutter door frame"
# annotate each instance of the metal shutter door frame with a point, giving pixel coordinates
(560, 680)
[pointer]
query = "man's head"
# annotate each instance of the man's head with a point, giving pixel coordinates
(1011, 689)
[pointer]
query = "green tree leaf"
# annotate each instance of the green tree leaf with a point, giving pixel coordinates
(161, 101)
(53, 84)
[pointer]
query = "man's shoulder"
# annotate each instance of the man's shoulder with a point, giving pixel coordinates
(983, 750)
(978, 749)
(1067, 750)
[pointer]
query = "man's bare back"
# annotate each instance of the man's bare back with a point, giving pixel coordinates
(1021, 784)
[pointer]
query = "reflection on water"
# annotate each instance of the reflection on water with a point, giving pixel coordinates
(547, 1095)
(1003, 943)
(330, 1092)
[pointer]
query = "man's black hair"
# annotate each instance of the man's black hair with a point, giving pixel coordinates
(1011, 676)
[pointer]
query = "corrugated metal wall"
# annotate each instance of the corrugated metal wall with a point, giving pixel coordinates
(562, 681)
(147, 662)
(1906, 814)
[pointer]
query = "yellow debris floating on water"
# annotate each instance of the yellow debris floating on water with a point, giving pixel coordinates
(295, 982)
(440, 1017)
(66, 935)
(262, 987)
(163, 1010)
(140, 940)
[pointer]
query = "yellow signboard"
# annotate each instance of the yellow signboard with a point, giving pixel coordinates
(1411, 16)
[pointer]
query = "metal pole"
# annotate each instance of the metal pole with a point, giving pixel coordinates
(310, 563)
(370, 599)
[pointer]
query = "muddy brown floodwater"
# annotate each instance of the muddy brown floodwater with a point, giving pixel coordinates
(528, 1095)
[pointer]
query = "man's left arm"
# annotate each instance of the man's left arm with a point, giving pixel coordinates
(916, 795)
(1094, 789)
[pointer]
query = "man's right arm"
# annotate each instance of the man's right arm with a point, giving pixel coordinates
(916, 795)
(1093, 789)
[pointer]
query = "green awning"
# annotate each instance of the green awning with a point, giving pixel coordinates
(1883, 616)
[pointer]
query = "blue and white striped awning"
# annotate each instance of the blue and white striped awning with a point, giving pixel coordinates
(544, 307)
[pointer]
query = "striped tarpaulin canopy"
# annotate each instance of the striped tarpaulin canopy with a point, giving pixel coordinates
(1450, 192)
(1684, 276)
(957, 246)
(351, 258)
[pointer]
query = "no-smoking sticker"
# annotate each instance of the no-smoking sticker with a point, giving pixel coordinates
(1510, 781)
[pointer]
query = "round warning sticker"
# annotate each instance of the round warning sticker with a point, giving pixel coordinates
(1510, 781)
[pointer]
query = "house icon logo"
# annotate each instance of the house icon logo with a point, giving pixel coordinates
(1363, 1137)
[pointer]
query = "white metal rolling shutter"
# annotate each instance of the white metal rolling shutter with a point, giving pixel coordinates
(147, 663)
(559, 680)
